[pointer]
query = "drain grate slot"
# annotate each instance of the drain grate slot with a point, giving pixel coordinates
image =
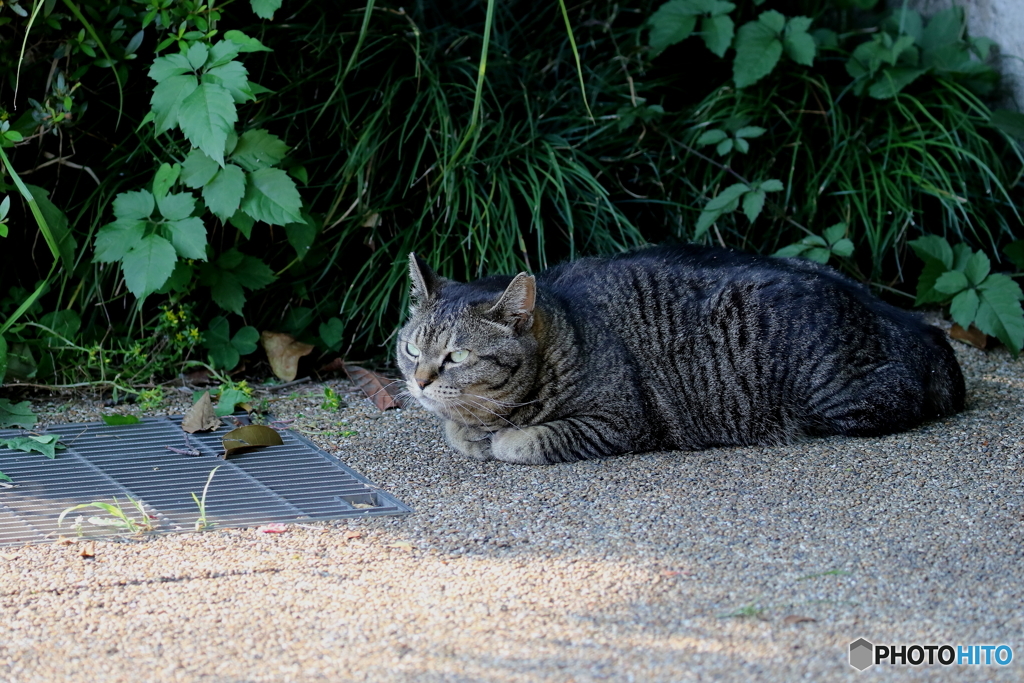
(293, 482)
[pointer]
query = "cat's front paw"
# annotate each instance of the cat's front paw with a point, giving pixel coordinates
(522, 446)
(476, 443)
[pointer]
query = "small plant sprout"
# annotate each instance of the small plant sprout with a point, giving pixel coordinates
(201, 522)
(120, 518)
(332, 401)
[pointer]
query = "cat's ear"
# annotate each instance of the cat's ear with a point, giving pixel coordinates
(515, 307)
(425, 282)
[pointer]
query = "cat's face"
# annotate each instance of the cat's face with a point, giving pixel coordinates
(468, 355)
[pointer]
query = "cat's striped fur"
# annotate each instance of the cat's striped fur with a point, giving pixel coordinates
(667, 348)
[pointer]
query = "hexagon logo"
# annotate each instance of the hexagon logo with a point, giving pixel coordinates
(862, 654)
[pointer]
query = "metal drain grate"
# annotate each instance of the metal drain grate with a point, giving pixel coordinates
(290, 483)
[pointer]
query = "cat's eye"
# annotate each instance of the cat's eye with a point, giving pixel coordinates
(412, 349)
(459, 356)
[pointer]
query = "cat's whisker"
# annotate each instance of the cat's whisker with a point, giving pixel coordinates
(503, 404)
(485, 408)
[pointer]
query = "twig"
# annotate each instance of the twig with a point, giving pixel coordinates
(279, 387)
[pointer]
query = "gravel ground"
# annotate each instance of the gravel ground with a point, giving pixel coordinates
(738, 563)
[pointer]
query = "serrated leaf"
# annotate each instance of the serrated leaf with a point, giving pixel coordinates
(245, 43)
(772, 185)
(233, 77)
(834, 233)
(935, 248)
(926, 292)
(243, 222)
(817, 254)
(174, 207)
(727, 196)
(169, 66)
(16, 414)
(300, 236)
(671, 23)
(712, 137)
(798, 43)
(197, 55)
(758, 50)
(188, 237)
(223, 194)
(999, 311)
(961, 256)
(753, 202)
(167, 98)
(750, 132)
(951, 282)
(815, 241)
(717, 32)
(265, 9)
(977, 268)
(964, 307)
(773, 21)
(705, 221)
(227, 292)
(258, 149)
(138, 205)
(892, 80)
(198, 169)
(116, 239)
(791, 250)
(164, 180)
(843, 247)
(222, 53)
(254, 273)
(271, 197)
(206, 117)
(148, 265)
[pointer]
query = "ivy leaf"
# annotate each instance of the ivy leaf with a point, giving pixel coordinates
(758, 48)
(753, 202)
(245, 43)
(951, 282)
(999, 311)
(717, 32)
(750, 132)
(727, 196)
(772, 185)
(935, 248)
(164, 180)
(116, 239)
(16, 414)
(223, 194)
(797, 42)
(712, 137)
(843, 247)
(222, 53)
(188, 237)
(977, 268)
(227, 277)
(137, 205)
(817, 254)
(167, 99)
(671, 23)
(198, 169)
(258, 149)
(892, 80)
(67, 246)
(45, 444)
(271, 197)
(177, 206)
(234, 78)
(169, 66)
(926, 292)
(243, 222)
(206, 116)
(196, 55)
(301, 236)
(148, 265)
(834, 233)
(964, 307)
(265, 9)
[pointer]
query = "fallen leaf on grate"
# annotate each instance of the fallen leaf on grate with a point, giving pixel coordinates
(796, 619)
(284, 352)
(383, 391)
(201, 416)
(275, 528)
(88, 550)
(248, 438)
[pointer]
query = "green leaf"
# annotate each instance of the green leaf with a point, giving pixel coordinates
(167, 99)
(892, 80)
(198, 169)
(228, 400)
(180, 278)
(712, 137)
(717, 32)
(951, 282)
(67, 246)
(753, 202)
(254, 273)
(1015, 252)
(301, 236)
(116, 239)
(245, 340)
(258, 149)
(188, 237)
(964, 307)
(164, 180)
(671, 23)
(961, 256)
(223, 194)
(817, 254)
(65, 323)
(226, 291)
(168, 67)
(704, 221)
(265, 9)
(727, 196)
(174, 207)
(843, 247)
(3, 358)
(197, 55)
(117, 420)
(271, 197)
(943, 28)
(217, 339)
(222, 53)
(724, 147)
(834, 233)
(245, 43)
(233, 77)
(758, 49)
(206, 116)
(16, 414)
(926, 292)
(933, 247)
(750, 132)
(138, 205)
(977, 268)
(999, 311)
(798, 43)
(45, 444)
(148, 265)
(243, 222)
(331, 333)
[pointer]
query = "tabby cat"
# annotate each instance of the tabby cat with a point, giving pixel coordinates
(666, 348)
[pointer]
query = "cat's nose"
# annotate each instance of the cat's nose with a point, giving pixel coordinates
(423, 382)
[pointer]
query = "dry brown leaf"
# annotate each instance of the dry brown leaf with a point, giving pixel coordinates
(201, 416)
(349, 535)
(972, 335)
(383, 391)
(796, 619)
(198, 378)
(336, 365)
(284, 352)
(88, 550)
(248, 438)
(64, 540)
